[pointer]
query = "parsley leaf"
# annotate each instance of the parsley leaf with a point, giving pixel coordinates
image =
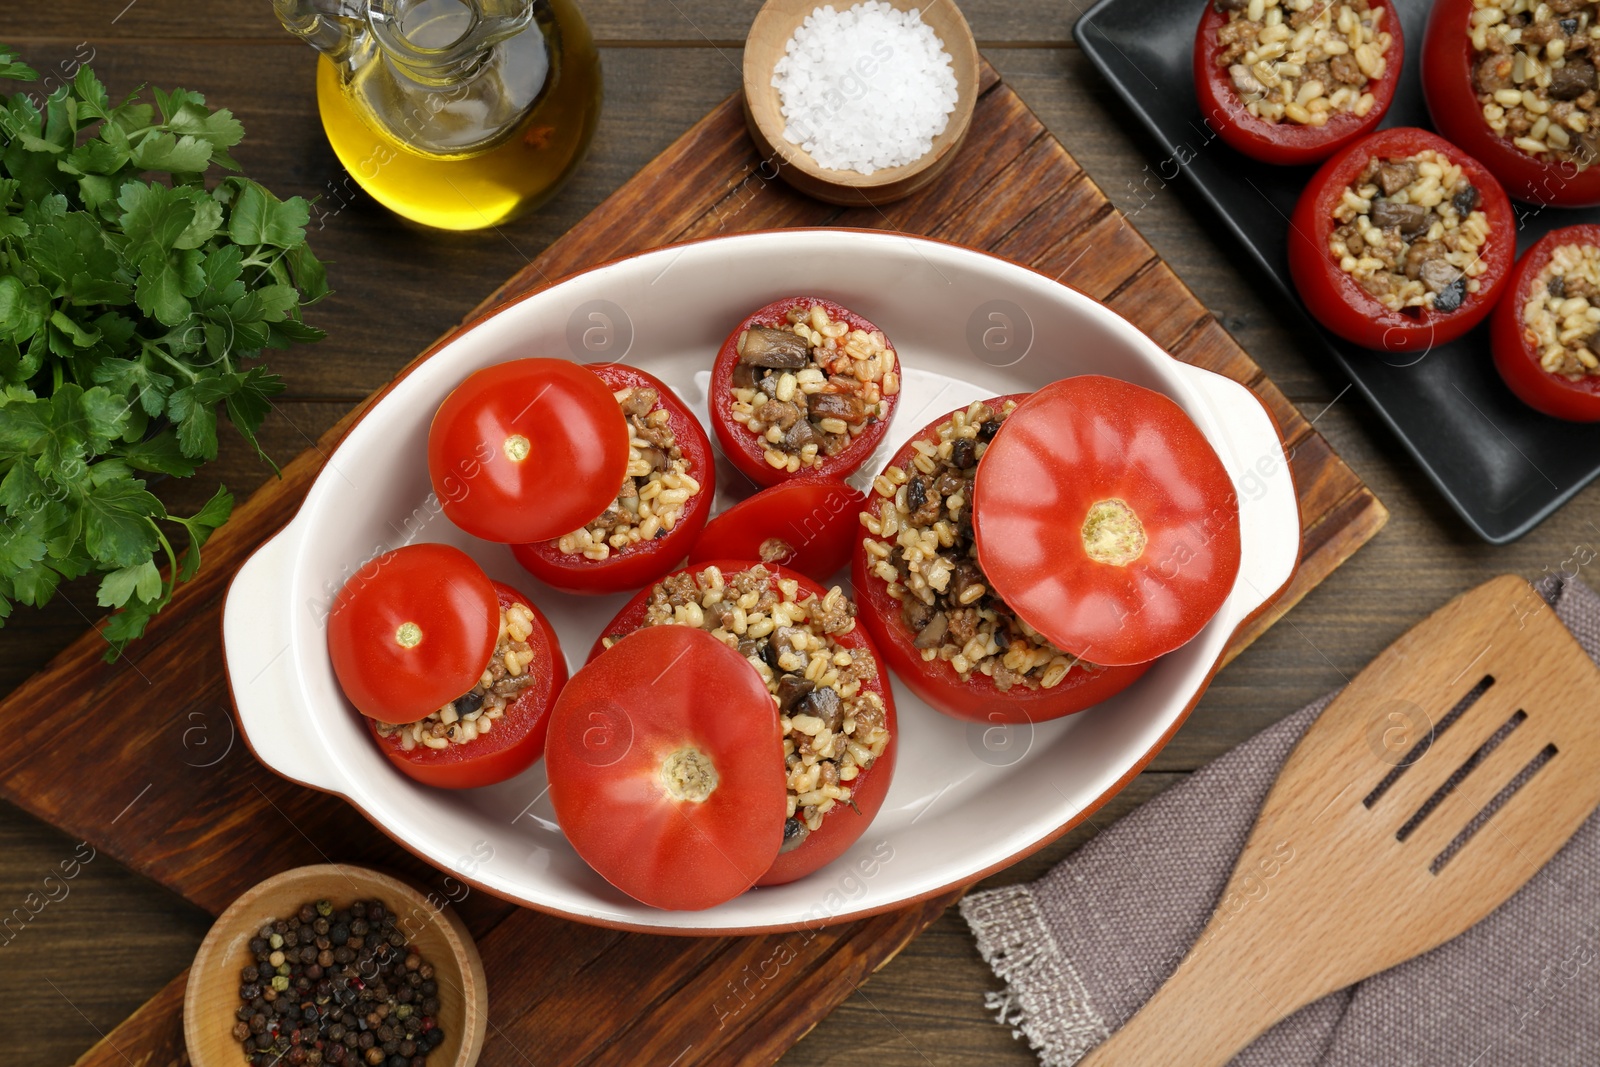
(11, 67)
(135, 302)
(259, 218)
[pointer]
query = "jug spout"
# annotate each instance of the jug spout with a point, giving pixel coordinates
(332, 27)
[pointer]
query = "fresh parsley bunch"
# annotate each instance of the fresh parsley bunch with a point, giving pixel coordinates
(128, 310)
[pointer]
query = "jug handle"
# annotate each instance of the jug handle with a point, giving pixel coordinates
(334, 35)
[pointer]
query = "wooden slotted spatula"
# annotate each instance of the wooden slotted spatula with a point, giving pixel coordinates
(1429, 791)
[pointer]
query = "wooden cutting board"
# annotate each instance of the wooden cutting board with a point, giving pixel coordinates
(155, 777)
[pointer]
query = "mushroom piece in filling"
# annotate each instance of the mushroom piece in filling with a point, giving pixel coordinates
(1409, 231)
(655, 491)
(1303, 61)
(834, 726)
(810, 385)
(1533, 70)
(474, 713)
(928, 558)
(1563, 311)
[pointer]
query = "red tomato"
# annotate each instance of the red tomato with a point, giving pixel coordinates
(644, 561)
(1105, 519)
(807, 525)
(743, 448)
(842, 826)
(936, 681)
(413, 629)
(526, 450)
(1284, 142)
(1516, 348)
(666, 769)
(1338, 301)
(1448, 60)
(517, 739)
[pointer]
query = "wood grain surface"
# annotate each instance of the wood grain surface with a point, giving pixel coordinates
(84, 962)
(706, 182)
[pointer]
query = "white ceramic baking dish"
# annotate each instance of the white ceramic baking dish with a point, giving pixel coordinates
(966, 799)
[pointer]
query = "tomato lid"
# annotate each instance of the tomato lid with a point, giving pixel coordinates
(412, 631)
(528, 450)
(1105, 519)
(665, 760)
(807, 523)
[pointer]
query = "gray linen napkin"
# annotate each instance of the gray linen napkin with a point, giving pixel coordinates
(1083, 948)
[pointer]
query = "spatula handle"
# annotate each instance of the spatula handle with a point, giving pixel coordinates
(1204, 1014)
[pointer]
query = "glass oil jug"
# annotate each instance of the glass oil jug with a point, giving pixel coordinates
(459, 114)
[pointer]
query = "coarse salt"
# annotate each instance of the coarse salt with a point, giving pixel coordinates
(864, 89)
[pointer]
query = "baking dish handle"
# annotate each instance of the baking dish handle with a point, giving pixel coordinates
(258, 634)
(1269, 509)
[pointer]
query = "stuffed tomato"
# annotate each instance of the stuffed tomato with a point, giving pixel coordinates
(951, 641)
(1289, 83)
(1136, 533)
(803, 386)
(655, 518)
(1401, 242)
(454, 673)
(1546, 331)
(823, 674)
(1514, 85)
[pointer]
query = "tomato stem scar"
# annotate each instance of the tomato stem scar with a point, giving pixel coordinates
(1112, 533)
(688, 774)
(517, 448)
(409, 635)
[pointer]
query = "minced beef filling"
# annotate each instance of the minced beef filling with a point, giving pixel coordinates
(1534, 72)
(1409, 231)
(834, 727)
(655, 491)
(1303, 61)
(808, 386)
(474, 713)
(922, 547)
(1563, 312)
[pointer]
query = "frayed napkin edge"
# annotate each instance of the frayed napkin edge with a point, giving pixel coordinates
(1044, 999)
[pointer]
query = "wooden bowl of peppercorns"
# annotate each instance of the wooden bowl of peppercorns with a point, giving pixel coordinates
(337, 966)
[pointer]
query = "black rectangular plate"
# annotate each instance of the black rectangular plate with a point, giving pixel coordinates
(1503, 466)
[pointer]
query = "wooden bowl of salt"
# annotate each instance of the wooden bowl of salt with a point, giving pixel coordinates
(871, 103)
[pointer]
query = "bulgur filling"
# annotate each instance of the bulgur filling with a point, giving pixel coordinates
(810, 385)
(1409, 232)
(1563, 311)
(834, 726)
(1302, 61)
(655, 491)
(473, 714)
(1534, 73)
(922, 547)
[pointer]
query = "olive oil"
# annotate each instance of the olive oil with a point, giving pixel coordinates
(429, 159)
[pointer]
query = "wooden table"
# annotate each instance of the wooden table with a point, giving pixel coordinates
(83, 963)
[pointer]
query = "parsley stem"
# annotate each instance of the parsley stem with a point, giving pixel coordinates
(157, 351)
(255, 260)
(171, 582)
